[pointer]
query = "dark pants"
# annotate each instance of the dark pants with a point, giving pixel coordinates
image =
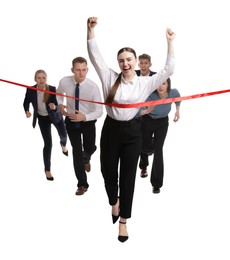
(120, 147)
(83, 141)
(44, 123)
(158, 128)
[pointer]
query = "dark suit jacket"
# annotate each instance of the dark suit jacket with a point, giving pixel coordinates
(31, 97)
(138, 72)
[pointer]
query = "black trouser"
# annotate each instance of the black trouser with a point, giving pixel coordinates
(44, 123)
(83, 141)
(120, 146)
(158, 128)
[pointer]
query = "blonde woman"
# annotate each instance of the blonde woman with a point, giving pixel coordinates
(45, 108)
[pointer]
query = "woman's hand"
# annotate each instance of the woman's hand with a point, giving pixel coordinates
(28, 114)
(176, 116)
(147, 110)
(52, 106)
(63, 110)
(91, 23)
(170, 35)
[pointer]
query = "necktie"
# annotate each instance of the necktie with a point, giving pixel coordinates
(77, 124)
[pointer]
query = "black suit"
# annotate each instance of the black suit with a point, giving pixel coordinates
(45, 122)
(138, 72)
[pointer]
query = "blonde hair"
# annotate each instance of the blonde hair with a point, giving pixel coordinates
(46, 95)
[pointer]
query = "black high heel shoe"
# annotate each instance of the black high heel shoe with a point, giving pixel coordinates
(115, 218)
(65, 153)
(122, 238)
(51, 178)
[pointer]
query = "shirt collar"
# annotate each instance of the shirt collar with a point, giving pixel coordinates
(80, 83)
(132, 82)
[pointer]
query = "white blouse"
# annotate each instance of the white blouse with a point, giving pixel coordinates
(131, 92)
(42, 111)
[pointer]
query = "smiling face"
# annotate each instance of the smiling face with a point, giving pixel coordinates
(127, 62)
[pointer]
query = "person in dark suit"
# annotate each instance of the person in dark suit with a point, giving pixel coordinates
(46, 111)
(144, 63)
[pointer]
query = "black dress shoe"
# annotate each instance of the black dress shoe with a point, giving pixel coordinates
(81, 190)
(144, 173)
(156, 190)
(120, 237)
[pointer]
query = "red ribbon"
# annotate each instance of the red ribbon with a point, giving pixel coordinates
(141, 104)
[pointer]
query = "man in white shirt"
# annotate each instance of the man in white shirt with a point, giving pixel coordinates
(80, 117)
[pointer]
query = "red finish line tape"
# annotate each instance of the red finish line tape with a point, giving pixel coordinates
(141, 104)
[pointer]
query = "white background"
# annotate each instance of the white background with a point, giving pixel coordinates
(189, 219)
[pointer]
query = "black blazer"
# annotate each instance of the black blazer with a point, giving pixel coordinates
(138, 72)
(31, 97)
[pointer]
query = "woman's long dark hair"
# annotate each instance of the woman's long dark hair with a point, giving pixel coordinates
(109, 99)
(169, 85)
